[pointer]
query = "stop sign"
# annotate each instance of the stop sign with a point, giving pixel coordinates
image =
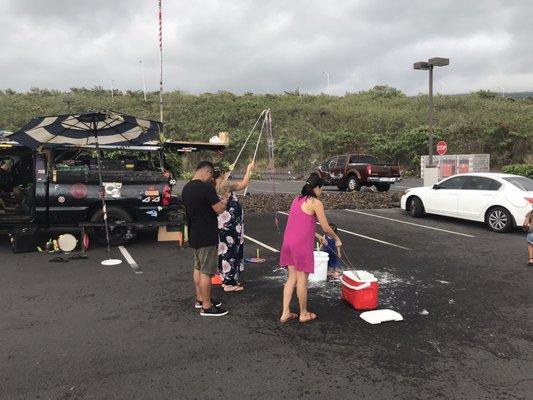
(442, 147)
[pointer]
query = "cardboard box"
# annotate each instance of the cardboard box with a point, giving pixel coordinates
(170, 234)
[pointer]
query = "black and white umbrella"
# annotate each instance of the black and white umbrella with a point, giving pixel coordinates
(93, 128)
(88, 130)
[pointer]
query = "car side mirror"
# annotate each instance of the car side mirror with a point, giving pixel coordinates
(436, 186)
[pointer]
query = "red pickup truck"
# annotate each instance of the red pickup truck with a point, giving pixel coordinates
(353, 171)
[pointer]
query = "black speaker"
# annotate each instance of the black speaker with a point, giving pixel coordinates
(24, 240)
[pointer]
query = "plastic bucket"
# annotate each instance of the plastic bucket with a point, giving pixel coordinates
(360, 290)
(321, 267)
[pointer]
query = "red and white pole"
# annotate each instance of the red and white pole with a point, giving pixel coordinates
(161, 62)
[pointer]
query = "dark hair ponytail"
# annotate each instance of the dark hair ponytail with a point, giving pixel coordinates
(312, 182)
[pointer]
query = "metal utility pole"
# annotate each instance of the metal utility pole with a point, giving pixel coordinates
(144, 80)
(327, 76)
(161, 63)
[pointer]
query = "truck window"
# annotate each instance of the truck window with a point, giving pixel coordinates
(341, 161)
(332, 163)
(362, 159)
(326, 163)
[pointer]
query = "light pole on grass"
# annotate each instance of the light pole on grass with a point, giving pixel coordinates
(327, 76)
(428, 65)
(144, 80)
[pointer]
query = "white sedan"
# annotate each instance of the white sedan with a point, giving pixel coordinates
(500, 200)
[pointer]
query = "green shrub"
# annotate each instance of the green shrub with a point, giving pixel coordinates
(186, 175)
(256, 176)
(519, 169)
(174, 164)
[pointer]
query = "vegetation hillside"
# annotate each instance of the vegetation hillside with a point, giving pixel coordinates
(308, 128)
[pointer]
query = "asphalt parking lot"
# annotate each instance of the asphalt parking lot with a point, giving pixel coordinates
(81, 331)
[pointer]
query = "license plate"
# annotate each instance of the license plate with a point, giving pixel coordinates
(388, 179)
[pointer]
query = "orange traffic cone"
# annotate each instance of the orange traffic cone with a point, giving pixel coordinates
(216, 280)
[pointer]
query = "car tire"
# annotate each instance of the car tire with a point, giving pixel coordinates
(118, 236)
(383, 188)
(353, 183)
(342, 188)
(499, 219)
(416, 207)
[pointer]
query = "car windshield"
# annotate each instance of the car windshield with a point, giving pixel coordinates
(521, 182)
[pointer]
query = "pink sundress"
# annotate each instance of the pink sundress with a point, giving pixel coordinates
(299, 239)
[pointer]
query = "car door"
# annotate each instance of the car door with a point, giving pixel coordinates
(474, 197)
(328, 166)
(337, 172)
(443, 198)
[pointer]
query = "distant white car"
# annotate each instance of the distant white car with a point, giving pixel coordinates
(499, 200)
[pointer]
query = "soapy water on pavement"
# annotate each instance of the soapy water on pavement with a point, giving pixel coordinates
(390, 286)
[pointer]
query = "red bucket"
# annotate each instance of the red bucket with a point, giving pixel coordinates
(360, 290)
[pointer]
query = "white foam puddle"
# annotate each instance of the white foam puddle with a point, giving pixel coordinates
(391, 287)
(386, 278)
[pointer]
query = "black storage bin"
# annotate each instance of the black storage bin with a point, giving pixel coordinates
(24, 240)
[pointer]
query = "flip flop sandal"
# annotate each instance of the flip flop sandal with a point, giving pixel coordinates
(291, 317)
(58, 259)
(311, 318)
(236, 288)
(530, 262)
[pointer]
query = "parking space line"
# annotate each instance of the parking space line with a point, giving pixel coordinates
(266, 246)
(133, 264)
(411, 223)
(364, 236)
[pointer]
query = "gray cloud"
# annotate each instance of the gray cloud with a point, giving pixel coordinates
(260, 46)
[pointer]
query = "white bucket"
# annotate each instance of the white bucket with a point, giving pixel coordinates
(321, 267)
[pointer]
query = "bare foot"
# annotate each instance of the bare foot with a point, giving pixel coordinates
(235, 288)
(288, 317)
(307, 317)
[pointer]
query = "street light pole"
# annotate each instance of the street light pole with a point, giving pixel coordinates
(327, 76)
(144, 80)
(428, 65)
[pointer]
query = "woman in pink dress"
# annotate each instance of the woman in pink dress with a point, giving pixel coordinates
(298, 243)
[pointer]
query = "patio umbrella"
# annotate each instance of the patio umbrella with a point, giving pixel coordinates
(88, 130)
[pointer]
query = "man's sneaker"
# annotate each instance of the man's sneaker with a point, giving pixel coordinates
(215, 303)
(213, 312)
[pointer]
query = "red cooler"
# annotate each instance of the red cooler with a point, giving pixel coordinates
(360, 290)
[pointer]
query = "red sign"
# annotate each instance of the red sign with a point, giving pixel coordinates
(78, 191)
(442, 148)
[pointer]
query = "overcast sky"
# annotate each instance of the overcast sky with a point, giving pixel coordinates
(267, 45)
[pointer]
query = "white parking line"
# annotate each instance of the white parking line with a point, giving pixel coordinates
(410, 223)
(266, 246)
(363, 236)
(134, 266)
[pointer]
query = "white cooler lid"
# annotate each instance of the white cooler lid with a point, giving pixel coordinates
(379, 316)
(364, 276)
